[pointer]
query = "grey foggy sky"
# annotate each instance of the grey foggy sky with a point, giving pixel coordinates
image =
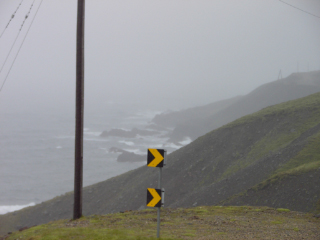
(180, 52)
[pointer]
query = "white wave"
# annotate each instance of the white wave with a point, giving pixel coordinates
(172, 145)
(127, 142)
(155, 138)
(121, 128)
(186, 141)
(97, 134)
(96, 139)
(156, 146)
(12, 208)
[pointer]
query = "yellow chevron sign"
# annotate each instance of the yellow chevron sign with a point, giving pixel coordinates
(154, 197)
(155, 157)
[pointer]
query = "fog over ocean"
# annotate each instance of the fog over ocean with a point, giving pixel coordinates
(37, 151)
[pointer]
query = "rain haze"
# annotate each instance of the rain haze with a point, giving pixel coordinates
(182, 53)
(140, 57)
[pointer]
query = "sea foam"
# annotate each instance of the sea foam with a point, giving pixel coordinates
(185, 141)
(12, 208)
(129, 143)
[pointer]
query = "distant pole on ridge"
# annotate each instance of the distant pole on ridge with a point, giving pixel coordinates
(280, 75)
(78, 156)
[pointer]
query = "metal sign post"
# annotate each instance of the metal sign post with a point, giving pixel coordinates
(159, 186)
(155, 197)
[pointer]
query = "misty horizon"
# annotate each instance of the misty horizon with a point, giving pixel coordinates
(177, 54)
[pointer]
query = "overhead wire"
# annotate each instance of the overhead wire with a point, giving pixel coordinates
(21, 45)
(300, 9)
(5, 61)
(26, 17)
(12, 16)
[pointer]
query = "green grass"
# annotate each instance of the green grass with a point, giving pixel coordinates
(310, 102)
(295, 171)
(299, 115)
(309, 154)
(76, 233)
(276, 222)
(283, 210)
(206, 221)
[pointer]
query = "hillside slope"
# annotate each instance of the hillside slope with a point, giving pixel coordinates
(295, 86)
(271, 155)
(190, 115)
(203, 222)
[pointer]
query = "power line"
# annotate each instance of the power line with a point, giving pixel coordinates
(300, 9)
(12, 16)
(20, 45)
(26, 17)
(5, 61)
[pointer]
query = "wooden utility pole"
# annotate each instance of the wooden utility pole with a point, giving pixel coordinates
(78, 156)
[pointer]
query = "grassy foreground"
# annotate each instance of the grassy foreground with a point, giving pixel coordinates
(205, 222)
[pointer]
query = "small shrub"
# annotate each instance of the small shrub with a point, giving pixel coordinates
(283, 210)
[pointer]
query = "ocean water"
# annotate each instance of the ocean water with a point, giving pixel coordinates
(37, 151)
